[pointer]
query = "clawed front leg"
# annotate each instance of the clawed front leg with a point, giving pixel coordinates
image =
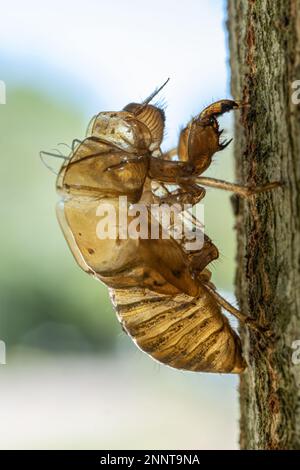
(198, 141)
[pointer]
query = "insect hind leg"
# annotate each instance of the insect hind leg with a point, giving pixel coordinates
(242, 317)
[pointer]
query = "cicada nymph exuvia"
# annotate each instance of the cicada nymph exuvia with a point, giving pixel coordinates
(161, 289)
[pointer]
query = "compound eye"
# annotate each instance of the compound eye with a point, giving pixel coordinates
(132, 107)
(152, 117)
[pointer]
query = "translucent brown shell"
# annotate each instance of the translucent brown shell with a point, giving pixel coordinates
(178, 330)
(161, 291)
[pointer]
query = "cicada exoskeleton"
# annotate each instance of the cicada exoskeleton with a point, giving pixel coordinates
(161, 290)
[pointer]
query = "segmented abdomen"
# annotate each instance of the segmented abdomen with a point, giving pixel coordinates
(180, 331)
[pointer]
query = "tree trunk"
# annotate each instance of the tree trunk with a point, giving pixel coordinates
(264, 37)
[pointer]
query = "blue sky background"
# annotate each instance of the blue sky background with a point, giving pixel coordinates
(102, 54)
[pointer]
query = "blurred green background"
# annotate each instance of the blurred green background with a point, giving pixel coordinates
(45, 301)
(72, 378)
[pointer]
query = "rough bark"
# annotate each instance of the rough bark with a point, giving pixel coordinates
(264, 37)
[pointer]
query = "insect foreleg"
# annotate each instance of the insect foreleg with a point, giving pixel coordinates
(169, 171)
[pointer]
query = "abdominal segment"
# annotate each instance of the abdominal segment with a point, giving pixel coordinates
(180, 331)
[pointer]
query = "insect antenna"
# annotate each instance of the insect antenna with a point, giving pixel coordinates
(154, 93)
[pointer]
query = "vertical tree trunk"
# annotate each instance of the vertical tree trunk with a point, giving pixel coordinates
(264, 37)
